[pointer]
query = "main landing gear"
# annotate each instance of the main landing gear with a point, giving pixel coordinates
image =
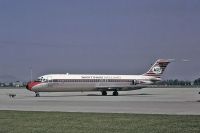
(37, 94)
(115, 93)
(104, 93)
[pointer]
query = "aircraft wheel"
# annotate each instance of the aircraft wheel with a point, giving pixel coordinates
(115, 93)
(37, 94)
(104, 93)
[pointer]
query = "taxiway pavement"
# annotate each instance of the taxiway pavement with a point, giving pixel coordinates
(144, 101)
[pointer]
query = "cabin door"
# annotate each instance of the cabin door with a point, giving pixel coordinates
(50, 80)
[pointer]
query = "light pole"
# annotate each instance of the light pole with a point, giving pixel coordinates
(31, 72)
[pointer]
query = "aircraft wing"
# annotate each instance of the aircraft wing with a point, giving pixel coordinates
(120, 87)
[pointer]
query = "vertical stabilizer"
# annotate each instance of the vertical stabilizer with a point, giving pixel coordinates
(158, 68)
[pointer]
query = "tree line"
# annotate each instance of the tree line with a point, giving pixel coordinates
(179, 82)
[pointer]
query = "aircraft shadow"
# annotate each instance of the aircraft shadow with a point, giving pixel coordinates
(140, 94)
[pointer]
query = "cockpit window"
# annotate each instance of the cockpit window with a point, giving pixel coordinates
(38, 80)
(41, 79)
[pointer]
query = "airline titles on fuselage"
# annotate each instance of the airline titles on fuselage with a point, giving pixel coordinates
(100, 77)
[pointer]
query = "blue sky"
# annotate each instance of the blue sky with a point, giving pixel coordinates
(98, 36)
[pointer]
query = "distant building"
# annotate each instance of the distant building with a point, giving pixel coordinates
(2, 85)
(7, 84)
(17, 84)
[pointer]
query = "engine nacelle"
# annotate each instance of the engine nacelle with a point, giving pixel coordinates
(135, 82)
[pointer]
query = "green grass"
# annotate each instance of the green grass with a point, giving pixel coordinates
(56, 122)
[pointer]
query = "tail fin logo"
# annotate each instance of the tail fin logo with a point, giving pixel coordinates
(157, 70)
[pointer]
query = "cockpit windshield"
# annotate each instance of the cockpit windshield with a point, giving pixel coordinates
(40, 79)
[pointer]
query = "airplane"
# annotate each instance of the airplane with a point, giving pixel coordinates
(86, 82)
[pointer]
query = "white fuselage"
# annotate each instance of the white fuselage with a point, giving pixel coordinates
(79, 82)
(86, 82)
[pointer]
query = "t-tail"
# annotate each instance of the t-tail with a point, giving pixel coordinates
(158, 68)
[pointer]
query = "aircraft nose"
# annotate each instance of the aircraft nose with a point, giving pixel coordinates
(29, 86)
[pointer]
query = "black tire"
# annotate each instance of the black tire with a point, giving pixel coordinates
(115, 93)
(104, 93)
(37, 95)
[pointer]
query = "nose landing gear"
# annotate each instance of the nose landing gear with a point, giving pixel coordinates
(37, 94)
